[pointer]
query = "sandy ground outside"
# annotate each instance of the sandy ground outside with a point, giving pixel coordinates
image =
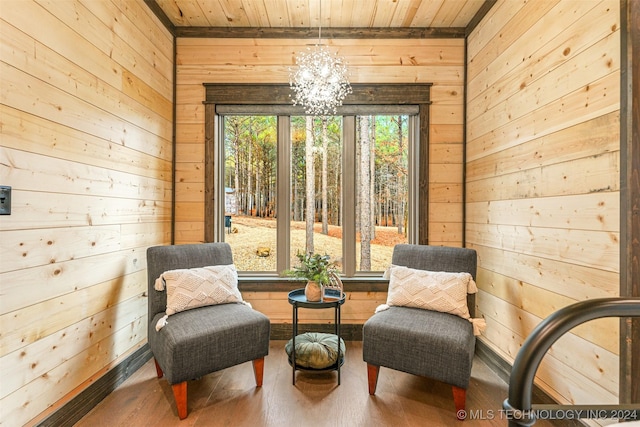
(249, 234)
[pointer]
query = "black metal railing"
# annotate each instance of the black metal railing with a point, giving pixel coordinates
(518, 407)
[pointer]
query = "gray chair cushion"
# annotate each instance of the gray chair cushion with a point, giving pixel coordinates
(201, 340)
(420, 342)
(196, 342)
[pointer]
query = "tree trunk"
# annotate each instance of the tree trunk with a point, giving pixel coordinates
(339, 184)
(365, 201)
(325, 154)
(400, 180)
(310, 185)
(236, 167)
(295, 202)
(249, 173)
(295, 176)
(386, 208)
(258, 193)
(372, 175)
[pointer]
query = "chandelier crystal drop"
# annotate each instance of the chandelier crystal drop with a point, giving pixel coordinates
(320, 82)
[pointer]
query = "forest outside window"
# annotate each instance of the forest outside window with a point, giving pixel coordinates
(284, 183)
(316, 195)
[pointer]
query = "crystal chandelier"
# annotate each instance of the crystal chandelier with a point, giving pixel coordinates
(320, 82)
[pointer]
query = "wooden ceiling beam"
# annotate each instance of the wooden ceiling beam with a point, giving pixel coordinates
(157, 10)
(312, 33)
(484, 9)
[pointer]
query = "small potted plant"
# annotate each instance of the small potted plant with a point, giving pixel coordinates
(316, 269)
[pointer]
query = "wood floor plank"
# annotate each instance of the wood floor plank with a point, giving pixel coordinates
(231, 398)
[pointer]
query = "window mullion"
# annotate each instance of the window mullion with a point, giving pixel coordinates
(349, 195)
(283, 210)
(413, 171)
(218, 173)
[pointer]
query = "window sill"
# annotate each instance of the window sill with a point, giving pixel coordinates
(284, 284)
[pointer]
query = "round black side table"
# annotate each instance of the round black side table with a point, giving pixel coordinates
(331, 299)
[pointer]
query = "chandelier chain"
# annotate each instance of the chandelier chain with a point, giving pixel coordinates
(320, 24)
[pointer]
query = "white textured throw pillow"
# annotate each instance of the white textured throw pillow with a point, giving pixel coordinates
(431, 290)
(198, 287)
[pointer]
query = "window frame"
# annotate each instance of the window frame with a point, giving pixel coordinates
(274, 99)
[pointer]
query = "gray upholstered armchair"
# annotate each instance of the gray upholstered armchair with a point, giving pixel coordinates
(424, 342)
(198, 341)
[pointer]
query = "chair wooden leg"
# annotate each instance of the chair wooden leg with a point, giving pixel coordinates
(258, 370)
(459, 399)
(180, 395)
(372, 374)
(158, 369)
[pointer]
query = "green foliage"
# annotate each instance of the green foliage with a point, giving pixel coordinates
(251, 160)
(314, 267)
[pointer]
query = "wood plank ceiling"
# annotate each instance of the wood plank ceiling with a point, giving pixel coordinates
(343, 14)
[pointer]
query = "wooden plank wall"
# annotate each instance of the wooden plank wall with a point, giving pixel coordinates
(543, 172)
(86, 123)
(359, 307)
(440, 61)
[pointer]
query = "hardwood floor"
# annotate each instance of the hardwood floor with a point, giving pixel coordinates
(230, 398)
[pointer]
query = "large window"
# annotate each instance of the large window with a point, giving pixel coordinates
(250, 190)
(315, 189)
(315, 198)
(382, 189)
(285, 183)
